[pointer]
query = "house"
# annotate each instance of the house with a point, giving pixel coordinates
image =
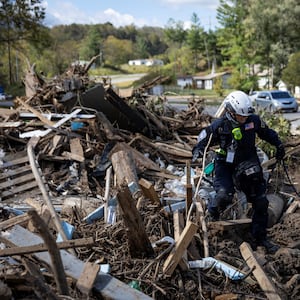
(281, 86)
(146, 62)
(185, 81)
(205, 82)
(83, 63)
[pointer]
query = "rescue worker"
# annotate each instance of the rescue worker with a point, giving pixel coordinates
(237, 166)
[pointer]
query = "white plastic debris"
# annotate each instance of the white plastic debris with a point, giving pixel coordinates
(209, 262)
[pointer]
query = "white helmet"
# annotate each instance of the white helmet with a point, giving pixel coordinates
(239, 103)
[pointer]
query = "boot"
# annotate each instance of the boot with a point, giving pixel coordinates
(270, 247)
(213, 214)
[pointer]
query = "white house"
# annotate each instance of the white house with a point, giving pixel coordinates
(146, 62)
(185, 81)
(205, 82)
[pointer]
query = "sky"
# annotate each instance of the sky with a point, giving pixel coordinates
(126, 12)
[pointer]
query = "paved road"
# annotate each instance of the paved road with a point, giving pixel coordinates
(126, 78)
(210, 109)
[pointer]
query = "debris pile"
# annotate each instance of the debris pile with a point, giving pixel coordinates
(99, 200)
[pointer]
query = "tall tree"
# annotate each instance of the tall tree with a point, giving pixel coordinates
(291, 74)
(19, 20)
(195, 39)
(117, 51)
(235, 43)
(274, 27)
(92, 45)
(175, 32)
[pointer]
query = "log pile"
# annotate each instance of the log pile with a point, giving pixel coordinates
(87, 212)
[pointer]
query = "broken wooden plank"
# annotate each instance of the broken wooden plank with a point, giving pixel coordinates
(42, 247)
(227, 225)
(14, 162)
(180, 246)
(35, 112)
(14, 172)
(42, 186)
(201, 217)
(139, 243)
(57, 140)
(263, 280)
(10, 124)
(56, 261)
(14, 221)
(149, 191)
(293, 207)
(16, 190)
(72, 156)
(87, 278)
(178, 228)
(42, 133)
(17, 181)
(108, 286)
(124, 167)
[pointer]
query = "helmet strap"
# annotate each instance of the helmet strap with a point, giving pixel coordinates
(231, 118)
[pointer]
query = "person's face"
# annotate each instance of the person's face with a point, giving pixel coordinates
(240, 119)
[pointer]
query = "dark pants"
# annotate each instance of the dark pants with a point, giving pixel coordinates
(254, 189)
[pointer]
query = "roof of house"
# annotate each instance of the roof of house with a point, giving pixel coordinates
(209, 76)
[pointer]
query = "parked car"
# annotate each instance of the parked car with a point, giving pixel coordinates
(275, 101)
(6, 101)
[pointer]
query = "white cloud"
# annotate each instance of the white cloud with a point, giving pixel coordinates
(66, 12)
(204, 3)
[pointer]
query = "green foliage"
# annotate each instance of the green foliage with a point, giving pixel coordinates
(175, 32)
(278, 123)
(195, 40)
(218, 86)
(291, 74)
(19, 20)
(274, 31)
(117, 51)
(92, 45)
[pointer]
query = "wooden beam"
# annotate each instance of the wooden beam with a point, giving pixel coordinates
(56, 261)
(180, 246)
(263, 280)
(149, 191)
(124, 167)
(230, 224)
(178, 228)
(42, 247)
(87, 278)
(14, 221)
(139, 243)
(293, 207)
(42, 186)
(35, 112)
(200, 216)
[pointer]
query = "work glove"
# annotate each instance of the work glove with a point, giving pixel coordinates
(280, 153)
(197, 152)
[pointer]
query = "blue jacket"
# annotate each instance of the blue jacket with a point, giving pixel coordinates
(244, 148)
